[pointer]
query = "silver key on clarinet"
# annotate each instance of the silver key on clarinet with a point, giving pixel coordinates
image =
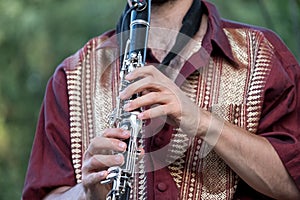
(121, 177)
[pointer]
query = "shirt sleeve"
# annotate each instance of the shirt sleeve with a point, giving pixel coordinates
(50, 165)
(280, 120)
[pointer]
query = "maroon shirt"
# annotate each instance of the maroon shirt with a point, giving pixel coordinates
(50, 164)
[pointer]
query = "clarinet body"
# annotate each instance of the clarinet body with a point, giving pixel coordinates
(122, 177)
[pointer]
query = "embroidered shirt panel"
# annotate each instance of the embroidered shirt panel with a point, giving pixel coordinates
(90, 98)
(233, 94)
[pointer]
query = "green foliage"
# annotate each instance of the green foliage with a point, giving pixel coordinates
(283, 17)
(36, 35)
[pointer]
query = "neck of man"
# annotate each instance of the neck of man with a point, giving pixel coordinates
(170, 14)
(166, 21)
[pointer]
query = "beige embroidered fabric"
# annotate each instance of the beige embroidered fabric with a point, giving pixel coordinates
(231, 93)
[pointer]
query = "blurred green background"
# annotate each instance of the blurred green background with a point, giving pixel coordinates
(36, 35)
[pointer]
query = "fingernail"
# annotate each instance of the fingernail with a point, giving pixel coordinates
(101, 174)
(121, 95)
(118, 158)
(128, 76)
(125, 133)
(127, 106)
(122, 145)
(141, 115)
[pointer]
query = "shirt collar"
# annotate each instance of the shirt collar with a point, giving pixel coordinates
(108, 40)
(215, 40)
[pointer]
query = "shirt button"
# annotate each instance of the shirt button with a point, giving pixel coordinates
(162, 187)
(158, 142)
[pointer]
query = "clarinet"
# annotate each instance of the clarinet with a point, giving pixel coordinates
(121, 177)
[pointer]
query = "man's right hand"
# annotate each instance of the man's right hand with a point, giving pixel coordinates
(98, 158)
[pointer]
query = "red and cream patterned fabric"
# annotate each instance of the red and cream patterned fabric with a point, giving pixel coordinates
(243, 74)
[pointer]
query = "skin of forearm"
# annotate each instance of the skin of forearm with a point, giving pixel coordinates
(67, 193)
(78, 192)
(252, 157)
